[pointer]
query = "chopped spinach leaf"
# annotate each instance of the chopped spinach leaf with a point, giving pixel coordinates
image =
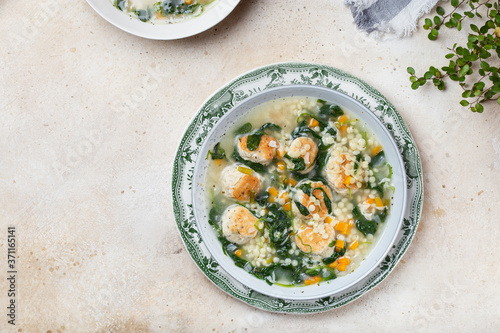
(301, 120)
(331, 110)
(262, 199)
(356, 163)
(255, 166)
(143, 15)
(377, 160)
(253, 140)
(121, 4)
(321, 159)
(218, 154)
(279, 223)
(380, 216)
(306, 188)
(302, 209)
(298, 163)
(326, 199)
(364, 225)
(313, 272)
(243, 129)
(304, 131)
(335, 255)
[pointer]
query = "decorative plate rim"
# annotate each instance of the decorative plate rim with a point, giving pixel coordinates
(219, 103)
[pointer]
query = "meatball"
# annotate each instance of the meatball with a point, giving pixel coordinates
(264, 153)
(316, 240)
(339, 172)
(238, 182)
(238, 224)
(315, 203)
(305, 148)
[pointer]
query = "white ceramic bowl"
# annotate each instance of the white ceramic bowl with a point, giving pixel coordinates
(389, 231)
(184, 29)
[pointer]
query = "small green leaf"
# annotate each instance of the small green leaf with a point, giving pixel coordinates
(415, 85)
(479, 108)
(410, 70)
(454, 3)
(463, 71)
(434, 32)
(464, 102)
(440, 10)
(428, 22)
(449, 55)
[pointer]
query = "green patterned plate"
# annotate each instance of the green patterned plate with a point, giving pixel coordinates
(234, 93)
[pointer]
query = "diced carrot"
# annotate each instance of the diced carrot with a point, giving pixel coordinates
(333, 264)
(341, 227)
(271, 199)
(328, 219)
(287, 206)
(343, 129)
(376, 150)
(187, 2)
(245, 170)
(342, 119)
(313, 122)
(347, 181)
(312, 280)
(378, 202)
(292, 182)
(281, 166)
(238, 252)
(273, 191)
(369, 201)
(344, 260)
(339, 245)
(284, 196)
(218, 162)
(354, 245)
(341, 267)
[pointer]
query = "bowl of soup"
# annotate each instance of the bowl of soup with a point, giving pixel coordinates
(166, 19)
(299, 192)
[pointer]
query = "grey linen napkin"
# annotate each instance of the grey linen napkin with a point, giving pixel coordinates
(387, 19)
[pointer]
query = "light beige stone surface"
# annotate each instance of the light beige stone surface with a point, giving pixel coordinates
(88, 188)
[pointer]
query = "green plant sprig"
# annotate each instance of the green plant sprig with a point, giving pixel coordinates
(482, 52)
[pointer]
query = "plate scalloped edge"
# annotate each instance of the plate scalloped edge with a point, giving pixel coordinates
(233, 93)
